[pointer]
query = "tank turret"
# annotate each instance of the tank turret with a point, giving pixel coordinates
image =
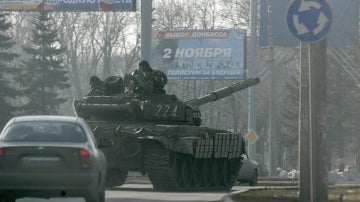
(161, 136)
(155, 108)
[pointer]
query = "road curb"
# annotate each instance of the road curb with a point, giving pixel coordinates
(229, 197)
(226, 198)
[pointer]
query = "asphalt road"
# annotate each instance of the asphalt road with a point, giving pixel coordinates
(145, 193)
(139, 189)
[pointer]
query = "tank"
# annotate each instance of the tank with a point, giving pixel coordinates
(161, 136)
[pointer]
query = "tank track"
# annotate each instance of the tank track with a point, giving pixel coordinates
(115, 177)
(172, 171)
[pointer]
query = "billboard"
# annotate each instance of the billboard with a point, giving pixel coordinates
(344, 29)
(200, 54)
(67, 5)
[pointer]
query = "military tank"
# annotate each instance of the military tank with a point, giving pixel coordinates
(161, 136)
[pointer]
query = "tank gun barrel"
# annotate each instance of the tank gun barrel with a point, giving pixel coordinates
(224, 92)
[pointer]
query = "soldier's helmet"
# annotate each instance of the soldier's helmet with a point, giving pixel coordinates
(94, 80)
(145, 66)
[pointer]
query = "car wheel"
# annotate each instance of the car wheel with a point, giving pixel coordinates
(253, 182)
(99, 198)
(6, 198)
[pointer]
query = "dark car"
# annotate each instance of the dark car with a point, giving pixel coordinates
(248, 172)
(51, 156)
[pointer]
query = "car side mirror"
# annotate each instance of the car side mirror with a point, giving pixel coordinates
(105, 142)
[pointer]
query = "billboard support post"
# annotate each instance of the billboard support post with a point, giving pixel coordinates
(251, 70)
(273, 158)
(146, 28)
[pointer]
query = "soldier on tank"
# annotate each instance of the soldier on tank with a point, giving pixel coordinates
(160, 80)
(145, 80)
(111, 86)
(142, 79)
(114, 85)
(96, 86)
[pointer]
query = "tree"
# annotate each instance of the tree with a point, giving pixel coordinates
(6, 56)
(343, 100)
(236, 13)
(289, 121)
(43, 75)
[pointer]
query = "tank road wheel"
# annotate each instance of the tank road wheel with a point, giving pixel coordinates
(234, 165)
(207, 172)
(227, 172)
(197, 175)
(221, 171)
(216, 172)
(186, 171)
(175, 164)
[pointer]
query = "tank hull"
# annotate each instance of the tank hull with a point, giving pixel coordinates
(175, 157)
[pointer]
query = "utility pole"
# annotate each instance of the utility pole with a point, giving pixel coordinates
(304, 137)
(312, 117)
(146, 29)
(251, 69)
(273, 160)
(317, 102)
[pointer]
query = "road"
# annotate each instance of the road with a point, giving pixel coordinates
(145, 193)
(139, 189)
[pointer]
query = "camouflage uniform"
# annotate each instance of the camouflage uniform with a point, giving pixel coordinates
(160, 80)
(96, 86)
(114, 85)
(145, 80)
(141, 80)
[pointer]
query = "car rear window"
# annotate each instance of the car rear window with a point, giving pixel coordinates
(45, 131)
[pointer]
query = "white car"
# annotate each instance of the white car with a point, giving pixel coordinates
(248, 172)
(51, 156)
